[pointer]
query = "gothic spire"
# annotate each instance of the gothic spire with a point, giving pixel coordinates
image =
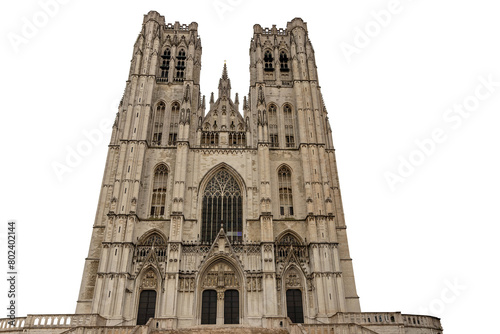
(224, 84)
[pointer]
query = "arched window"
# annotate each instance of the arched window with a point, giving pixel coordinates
(144, 248)
(181, 65)
(289, 128)
(285, 191)
(273, 126)
(237, 138)
(284, 62)
(147, 305)
(174, 124)
(159, 192)
(290, 244)
(159, 116)
(268, 61)
(222, 204)
(294, 309)
(209, 138)
(165, 65)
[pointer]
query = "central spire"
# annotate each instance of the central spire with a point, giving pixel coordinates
(224, 83)
(224, 72)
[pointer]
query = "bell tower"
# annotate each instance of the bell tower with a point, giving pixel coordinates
(161, 100)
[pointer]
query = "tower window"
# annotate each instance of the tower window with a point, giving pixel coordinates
(159, 116)
(174, 124)
(273, 126)
(268, 61)
(289, 128)
(165, 65)
(159, 196)
(222, 204)
(181, 65)
(285, 191)
(284, 62)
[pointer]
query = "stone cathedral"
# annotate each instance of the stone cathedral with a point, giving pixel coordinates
(223, 214)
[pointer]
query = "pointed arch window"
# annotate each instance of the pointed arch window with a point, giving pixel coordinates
(174, 124)
(290, 244)
(222, 204)
(159, 195)
(268, 61)
(285, 191)
(273, 126)
(181, 65)
(209, 138)
(154, 241)
(159, 116)
(284, 62)
(165, 65)
(289, 128)
(237, 138)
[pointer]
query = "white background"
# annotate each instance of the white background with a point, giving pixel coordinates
(438, 228)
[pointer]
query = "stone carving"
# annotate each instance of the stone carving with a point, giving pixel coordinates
(186, 284)
(254, 283)
(292, 279)
(220, 275)
(149, 281)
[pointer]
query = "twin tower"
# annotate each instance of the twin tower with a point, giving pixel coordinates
(226, 212)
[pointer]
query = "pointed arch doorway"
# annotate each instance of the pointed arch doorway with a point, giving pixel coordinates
(221, 295)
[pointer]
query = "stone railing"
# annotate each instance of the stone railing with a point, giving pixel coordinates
(54, 321)
(11, 325)
(365, 318)
(388, 318)
(353, 322)
(421, 321)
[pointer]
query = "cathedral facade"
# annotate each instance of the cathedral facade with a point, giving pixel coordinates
(222, 214)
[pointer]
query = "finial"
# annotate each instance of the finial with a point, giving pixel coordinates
(224, 71)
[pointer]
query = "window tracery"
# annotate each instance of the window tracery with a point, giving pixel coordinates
(174, 124)
(273, 126)
(284, 62)
(289, 126)
(181, 65)
(222, 204)
(159, 116)
(165, 65)
(285, 191)
(159, 193)
(268, 61)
